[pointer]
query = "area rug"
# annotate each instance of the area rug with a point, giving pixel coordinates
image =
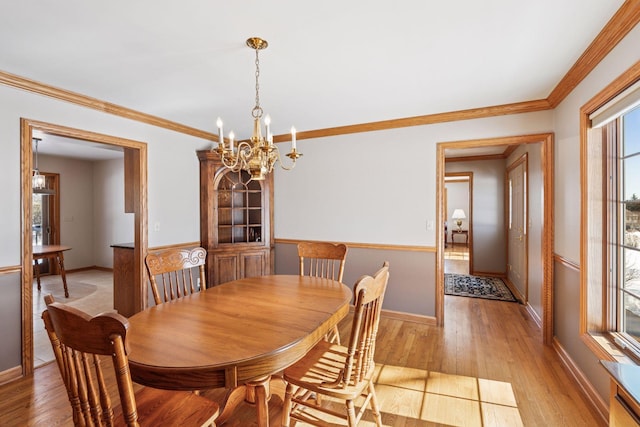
(477, 287)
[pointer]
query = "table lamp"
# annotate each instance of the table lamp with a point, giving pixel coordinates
(458, 215)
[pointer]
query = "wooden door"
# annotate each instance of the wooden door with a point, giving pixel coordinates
(517, 225)
(254, 263)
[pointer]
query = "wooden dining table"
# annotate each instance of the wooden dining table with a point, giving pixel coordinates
(234, 335)
(55, 252)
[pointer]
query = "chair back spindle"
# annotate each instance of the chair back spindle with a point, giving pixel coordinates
(369, 294)
(343, 373)
(78, 341)
(171, 273)
(322, 259)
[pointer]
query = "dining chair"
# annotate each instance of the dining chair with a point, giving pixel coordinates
(173, 271)
(339, 372)
(323, 259)
(81, 344)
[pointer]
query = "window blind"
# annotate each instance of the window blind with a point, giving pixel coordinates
(623, 102)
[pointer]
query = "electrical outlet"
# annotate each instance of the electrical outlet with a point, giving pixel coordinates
(156, 226)
(429, 225)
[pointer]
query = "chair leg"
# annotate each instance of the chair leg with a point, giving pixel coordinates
(286, 405)
(374, 405)
(334, 336)
(351, 413)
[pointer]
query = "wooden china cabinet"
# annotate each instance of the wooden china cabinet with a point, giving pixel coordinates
(236, 221)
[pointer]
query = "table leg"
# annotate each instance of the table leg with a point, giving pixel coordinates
(63, 274)
(36, 267)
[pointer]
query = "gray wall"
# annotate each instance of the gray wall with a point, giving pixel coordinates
(10, 355)
(411, 274)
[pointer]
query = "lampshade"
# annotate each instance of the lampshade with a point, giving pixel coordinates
(458, 214)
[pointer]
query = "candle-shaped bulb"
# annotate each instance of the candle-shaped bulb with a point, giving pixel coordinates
(231, 136)
(293, 138)
(220, 134)
(267, 122)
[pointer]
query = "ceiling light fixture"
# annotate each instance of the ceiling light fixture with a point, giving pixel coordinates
(37, 180)
(257, 155)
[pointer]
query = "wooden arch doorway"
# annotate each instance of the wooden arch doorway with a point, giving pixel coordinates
(135, 159)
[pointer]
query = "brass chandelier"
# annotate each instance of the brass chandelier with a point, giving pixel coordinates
(257, 155)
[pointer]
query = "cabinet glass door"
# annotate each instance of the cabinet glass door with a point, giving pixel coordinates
(239, 209)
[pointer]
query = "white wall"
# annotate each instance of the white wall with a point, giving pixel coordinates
(112, 224)
(377, 187)
(76, 207)
(567, 203)
(457, 198)
(173, 175)
(567, 143)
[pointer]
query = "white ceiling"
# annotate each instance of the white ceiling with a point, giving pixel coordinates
(329, 63)
(73, 148)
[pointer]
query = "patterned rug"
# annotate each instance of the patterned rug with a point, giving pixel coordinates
(477, 287)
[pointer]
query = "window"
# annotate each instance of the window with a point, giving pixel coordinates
(627, 238)
(613, 219)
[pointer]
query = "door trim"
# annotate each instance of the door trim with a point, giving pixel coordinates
(139, 180)
(547, 141)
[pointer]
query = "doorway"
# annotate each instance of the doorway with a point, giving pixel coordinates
(136, 203)
(544, 223)
(45, 218)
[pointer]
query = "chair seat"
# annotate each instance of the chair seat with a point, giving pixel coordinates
(171, 408)
(320, 369)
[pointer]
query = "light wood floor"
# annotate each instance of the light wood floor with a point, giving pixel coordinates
(456, 259)
(486, 367)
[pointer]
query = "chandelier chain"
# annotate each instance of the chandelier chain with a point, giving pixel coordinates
(257, 110)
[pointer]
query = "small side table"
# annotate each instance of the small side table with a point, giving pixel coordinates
(456, 232)
(54, 252)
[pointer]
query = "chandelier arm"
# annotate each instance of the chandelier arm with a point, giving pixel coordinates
(279, 160)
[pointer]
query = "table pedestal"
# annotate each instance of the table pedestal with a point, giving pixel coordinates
(257, 392)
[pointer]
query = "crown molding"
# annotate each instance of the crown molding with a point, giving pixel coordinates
(96, 104)
(623, 21)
